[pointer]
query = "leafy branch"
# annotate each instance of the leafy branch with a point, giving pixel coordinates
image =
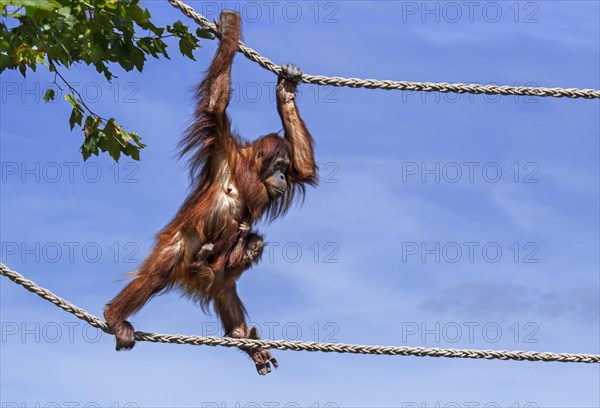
(98, 33)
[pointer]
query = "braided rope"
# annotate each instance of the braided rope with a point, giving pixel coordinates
(444, 87)
(299, 345)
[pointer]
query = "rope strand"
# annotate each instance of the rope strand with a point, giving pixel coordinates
(299, 345)
(443, 87)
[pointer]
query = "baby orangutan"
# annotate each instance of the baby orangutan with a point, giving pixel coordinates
(212, 268)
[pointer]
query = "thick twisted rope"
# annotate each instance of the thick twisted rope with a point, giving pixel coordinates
(299, 345)
(393, 85)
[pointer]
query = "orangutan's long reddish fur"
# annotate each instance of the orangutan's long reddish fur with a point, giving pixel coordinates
(228, 190)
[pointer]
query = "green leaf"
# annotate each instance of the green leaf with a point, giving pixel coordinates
(96, 53)
(26, 56)
(114, 150)
(88, 147)
(111, 127)
(204, 33)
(41, 4)
(5, 62)
(93, 137)
(186, 46)
(132, 151)
(49, 96)
(76, 117)
(177, 28)
(147, 46)
(138, 58)
(71, 99)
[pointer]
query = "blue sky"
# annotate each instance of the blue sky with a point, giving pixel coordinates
(441, 220)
